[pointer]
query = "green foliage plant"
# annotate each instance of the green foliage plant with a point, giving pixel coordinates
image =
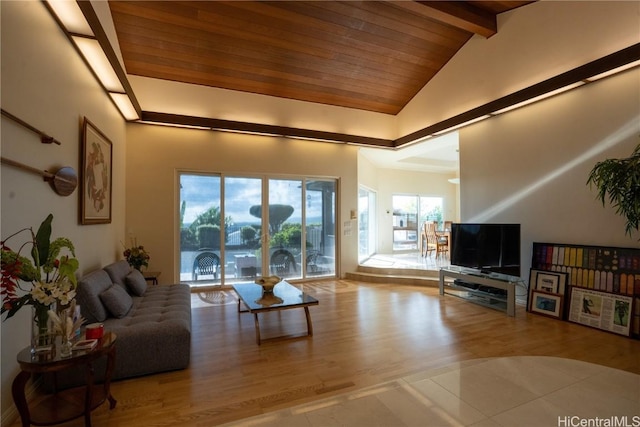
(49, 276)
(289, 236)
(189, 236)
(248, 234)
(209, 236)
(618, 183)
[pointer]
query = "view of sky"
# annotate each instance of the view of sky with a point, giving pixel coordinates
(202, 192)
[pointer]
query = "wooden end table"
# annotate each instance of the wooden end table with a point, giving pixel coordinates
(68, 404)
(151, 276)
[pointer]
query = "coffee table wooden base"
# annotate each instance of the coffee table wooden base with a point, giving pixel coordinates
(284, 296)
(260, 340)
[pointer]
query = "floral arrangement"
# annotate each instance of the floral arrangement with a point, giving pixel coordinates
(50, 277)
(136, 255)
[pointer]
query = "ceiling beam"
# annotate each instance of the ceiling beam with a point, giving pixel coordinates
(96, 26)
(458, 14)
(262, 129)
(582, 73)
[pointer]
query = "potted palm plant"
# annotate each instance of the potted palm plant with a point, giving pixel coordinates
(618, 182)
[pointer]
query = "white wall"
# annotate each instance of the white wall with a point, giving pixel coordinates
(156, 153)
(202, 101)
(533, 43)
(45, 83)
(530, 166)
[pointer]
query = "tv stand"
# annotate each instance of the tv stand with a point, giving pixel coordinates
(487, 293)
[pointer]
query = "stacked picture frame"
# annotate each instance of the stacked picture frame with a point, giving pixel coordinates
(595, 286)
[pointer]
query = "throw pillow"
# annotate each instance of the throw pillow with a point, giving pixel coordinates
(117, 301)
(88, 295)
(136, 283)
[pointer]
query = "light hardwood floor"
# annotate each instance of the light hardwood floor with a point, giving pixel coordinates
(364, 334)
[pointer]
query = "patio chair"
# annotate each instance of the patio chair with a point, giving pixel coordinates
(312, 261)
(282, 262)
(206, 264)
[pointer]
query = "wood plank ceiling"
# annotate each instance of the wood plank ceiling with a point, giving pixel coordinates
(368, 55)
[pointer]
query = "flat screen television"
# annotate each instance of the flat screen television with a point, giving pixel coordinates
(489, 248)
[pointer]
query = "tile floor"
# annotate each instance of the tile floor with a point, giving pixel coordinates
(406, 260)
(510, 391)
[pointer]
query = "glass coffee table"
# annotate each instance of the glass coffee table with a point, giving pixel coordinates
(284, 297)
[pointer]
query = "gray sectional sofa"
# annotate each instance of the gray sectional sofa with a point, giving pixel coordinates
(152, 323)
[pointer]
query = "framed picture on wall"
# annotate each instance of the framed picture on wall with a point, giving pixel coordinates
(96, 175)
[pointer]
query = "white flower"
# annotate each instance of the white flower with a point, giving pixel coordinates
(66, 298)
(42, 292)
(47, 293)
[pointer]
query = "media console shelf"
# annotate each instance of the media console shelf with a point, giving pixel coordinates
(488, 298)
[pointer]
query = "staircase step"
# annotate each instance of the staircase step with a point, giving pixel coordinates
(383, 276)
(413, 272)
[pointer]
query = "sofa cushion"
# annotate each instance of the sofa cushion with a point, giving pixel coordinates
(136, 283)
(118, 271)
(88, 295)
(117, 301)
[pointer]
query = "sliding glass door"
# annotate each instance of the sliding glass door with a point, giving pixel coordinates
(243, 228)
(409, 213)
(285, 215)
(235, 228)
(200, 227)
(320, 216)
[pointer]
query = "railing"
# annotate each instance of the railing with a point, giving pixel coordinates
(234, 237)
(235, 245)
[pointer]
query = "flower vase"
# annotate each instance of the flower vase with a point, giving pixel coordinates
(66, 347)
(64, 327)
(41, 329)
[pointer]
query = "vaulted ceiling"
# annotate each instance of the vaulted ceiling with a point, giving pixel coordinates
(368, 55)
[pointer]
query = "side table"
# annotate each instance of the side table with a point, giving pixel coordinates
(152, 276)
(68, 404)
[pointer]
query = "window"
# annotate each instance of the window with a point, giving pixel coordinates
(234, 228)
(243, 231)
(367, 236)
(409, 212)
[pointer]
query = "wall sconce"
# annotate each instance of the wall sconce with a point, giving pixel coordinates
(81, 25)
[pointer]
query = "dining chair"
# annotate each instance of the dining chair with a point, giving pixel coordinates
(438, 242)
